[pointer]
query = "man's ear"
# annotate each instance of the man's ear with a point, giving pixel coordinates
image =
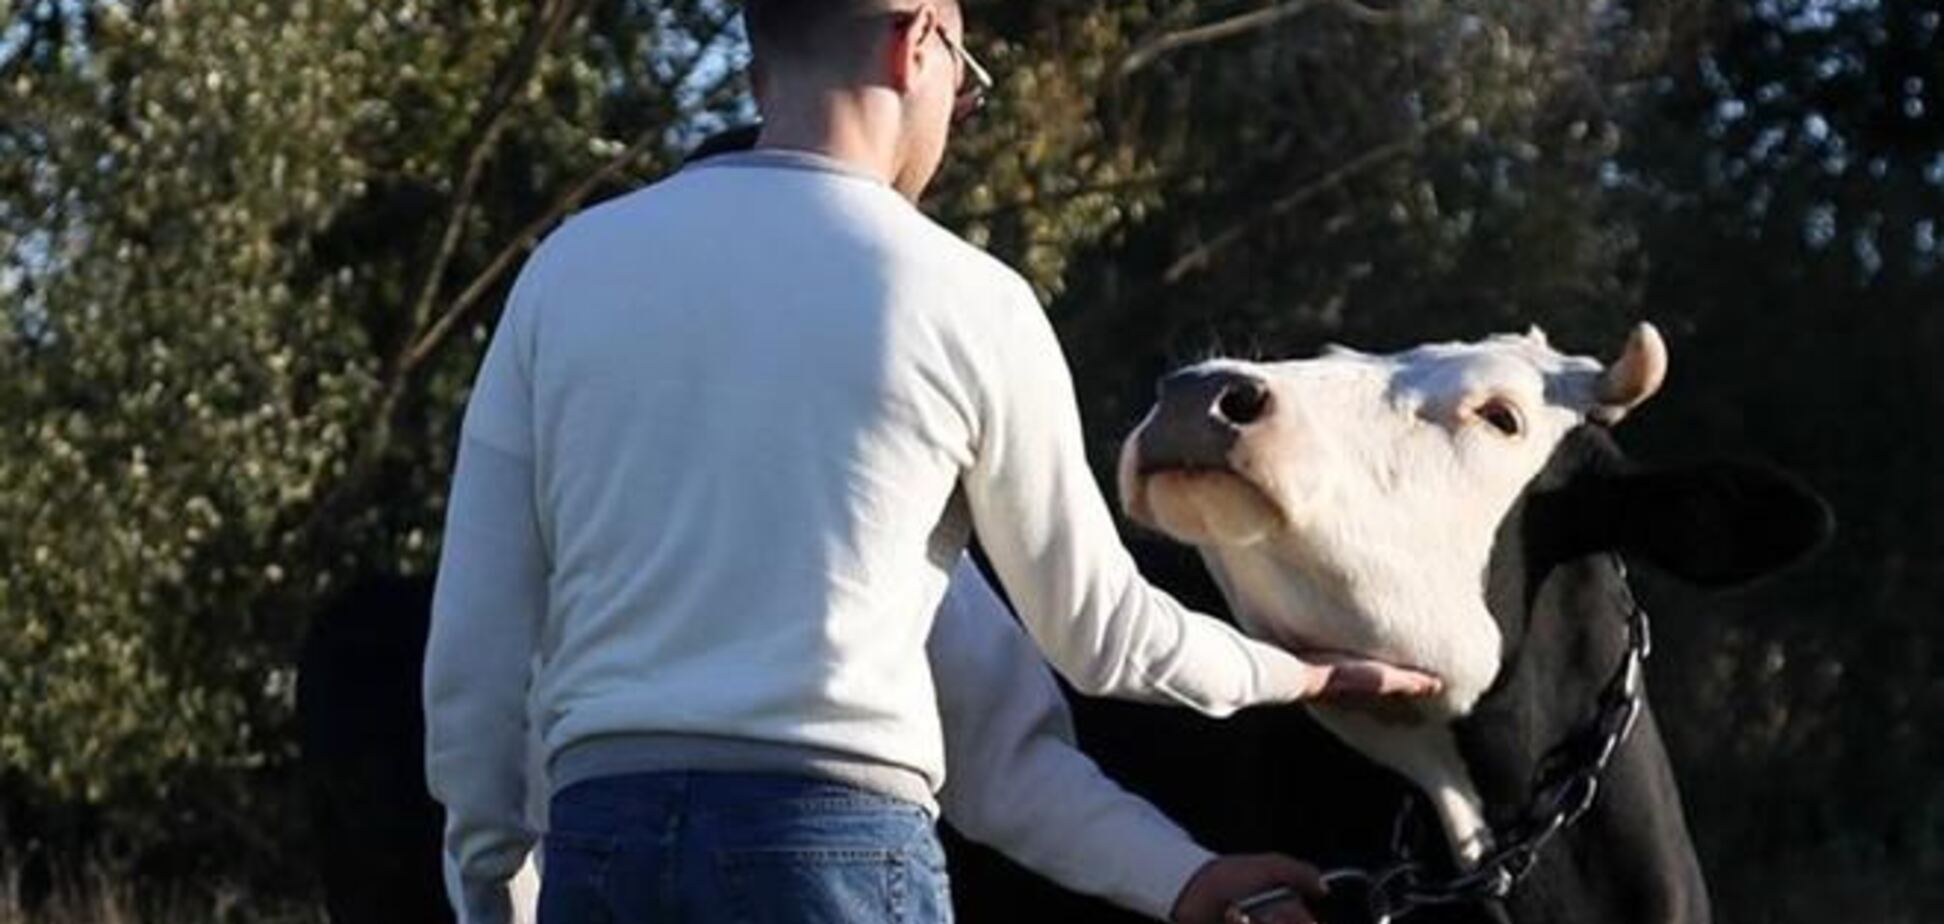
(906, 44)
(1718, 523)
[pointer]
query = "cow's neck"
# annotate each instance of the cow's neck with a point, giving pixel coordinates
(1630, 859)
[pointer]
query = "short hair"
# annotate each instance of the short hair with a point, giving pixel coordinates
(799, 28)
(787, 28)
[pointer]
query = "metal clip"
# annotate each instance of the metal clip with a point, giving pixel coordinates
(1502, 883)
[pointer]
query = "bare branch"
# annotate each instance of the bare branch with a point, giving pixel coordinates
(1371, 16)
(523, 242)
(520, 69)
(549, 20)
(1200, 257)
(1245, 23)
(434, 337)
(704, 49)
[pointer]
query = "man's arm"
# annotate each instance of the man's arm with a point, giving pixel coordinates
(486, 613)
(1017, 781)
(1053, 543)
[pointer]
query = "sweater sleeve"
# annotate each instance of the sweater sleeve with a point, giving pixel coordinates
(486, 611)
(1052, 541)
(1017, 780)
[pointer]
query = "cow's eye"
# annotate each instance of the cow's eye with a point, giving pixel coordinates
(1503, 416)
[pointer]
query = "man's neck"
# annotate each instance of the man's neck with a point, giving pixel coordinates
(841, 128)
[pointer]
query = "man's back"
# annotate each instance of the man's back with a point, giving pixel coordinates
(753, 392)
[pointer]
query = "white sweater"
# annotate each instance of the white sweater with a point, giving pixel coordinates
(762, 405)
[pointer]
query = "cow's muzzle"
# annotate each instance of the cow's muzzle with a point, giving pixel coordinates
(1199, 417)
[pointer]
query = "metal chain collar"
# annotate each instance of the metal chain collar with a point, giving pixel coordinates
(1565, 785)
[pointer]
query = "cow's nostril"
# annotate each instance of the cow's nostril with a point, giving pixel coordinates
(1243, 403)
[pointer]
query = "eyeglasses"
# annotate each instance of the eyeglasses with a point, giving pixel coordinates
(972, 94)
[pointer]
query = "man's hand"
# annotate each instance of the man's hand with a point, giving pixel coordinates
(1211, 894)
(1299, 676)
(1354, 678)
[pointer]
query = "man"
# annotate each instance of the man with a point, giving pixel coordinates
(726, 448)
(1018, 781)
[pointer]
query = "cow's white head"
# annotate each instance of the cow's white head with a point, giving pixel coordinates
(1349, 503)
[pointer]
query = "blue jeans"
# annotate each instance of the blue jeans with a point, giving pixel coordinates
(739, 849)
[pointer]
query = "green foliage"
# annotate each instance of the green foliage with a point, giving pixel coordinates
(1791, 182)
(1380, 176)
(172, 385)
(225, 230)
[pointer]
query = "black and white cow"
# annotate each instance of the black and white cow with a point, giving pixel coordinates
(361, 725)
(1461, 508)
(362, 732)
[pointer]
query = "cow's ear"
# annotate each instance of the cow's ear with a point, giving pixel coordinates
(1719, 523)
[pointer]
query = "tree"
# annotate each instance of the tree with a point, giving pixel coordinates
(1333, 170)
(249, 253)
(1789, 185)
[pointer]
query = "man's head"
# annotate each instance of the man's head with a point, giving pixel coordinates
(875, 79)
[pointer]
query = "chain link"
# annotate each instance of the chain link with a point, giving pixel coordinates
(1565, 786)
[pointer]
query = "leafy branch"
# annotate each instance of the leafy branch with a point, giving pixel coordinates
(435, 335)
(1170, 42)
(1202, 256)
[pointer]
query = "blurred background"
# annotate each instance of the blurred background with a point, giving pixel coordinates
(250, 253)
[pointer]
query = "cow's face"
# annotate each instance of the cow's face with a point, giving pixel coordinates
(1348, 503)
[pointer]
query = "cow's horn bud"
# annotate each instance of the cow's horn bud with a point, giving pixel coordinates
(1635, 377)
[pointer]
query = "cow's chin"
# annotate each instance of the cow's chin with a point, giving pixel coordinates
(1208, 507)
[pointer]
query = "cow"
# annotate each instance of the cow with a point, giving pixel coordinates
(1464, 509)
(376, 830)
(362, 744)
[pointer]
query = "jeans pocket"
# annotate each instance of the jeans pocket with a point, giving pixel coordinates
(928, 889)
(780, 885)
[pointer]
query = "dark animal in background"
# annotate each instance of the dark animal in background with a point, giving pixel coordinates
(362, 730)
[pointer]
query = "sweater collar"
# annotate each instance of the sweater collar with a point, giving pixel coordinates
(787, 159)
